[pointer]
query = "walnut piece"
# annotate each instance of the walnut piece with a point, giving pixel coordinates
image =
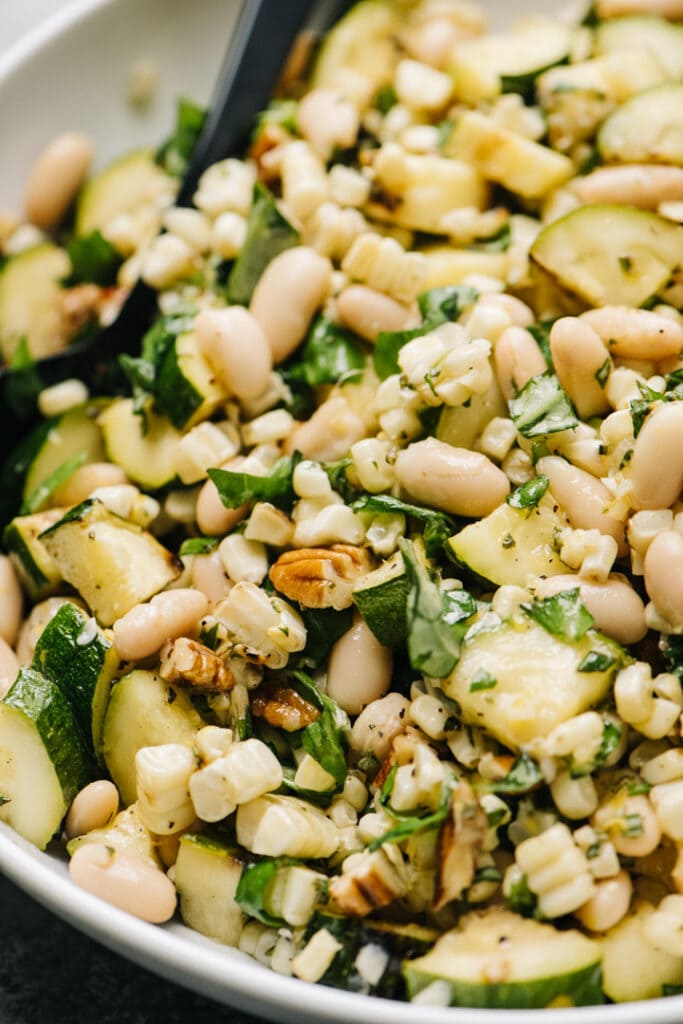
(283, 708)
(460, 841)
(188, 662)
(320, 577)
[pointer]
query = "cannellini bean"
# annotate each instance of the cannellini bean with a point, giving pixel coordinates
(11, 601)
(86, 479)
(56, 177)
(517, 358)
(379, 723)
(9, 666)
(520, 314)
(583, 497)
(145, 628)
(237, 349)
(213, 518)
(292, 287)
(579, 357)
(359, 668)
(208, 575)
(94, 807)
(608, 904)
(125, 881)
(328, 120)
(367, 312)
(452, 479)
(643, 185)
(636, 333)
(657, 462)
(616, 607)
(329, 433)
(613, 817)
(663, 572)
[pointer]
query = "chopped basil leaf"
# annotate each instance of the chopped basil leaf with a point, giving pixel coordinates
(595, 662)
(268, 234)
(602, 373)
(93, 259)
(438, 526)
(175, 154)
(23, 385)
(639, 409)
(324, 626)
(540, 332)
(387, 348)
(529, 494)
(522, 777)
(235, 488)
(563, 614)
(483, 680)
(639, 788)
(542, 407)
(410, 824)
(280, 113)
(339, 481)
(329, 355)
(611, 738)
(634, 826)
(198, 545)
(252, 888)
(37, 498)
(5, 800)
(500, 242)
(489, 873)
(520, 898)
(385, 99)
(324, 739)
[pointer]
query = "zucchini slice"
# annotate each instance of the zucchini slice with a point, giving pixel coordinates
(647, 128)
(360, 53)
(381, 597)
(510, 545)
(632, 967)
(74, 432)
(125, 833)
(35, 568)
(207, 873)
(147, 457)
(539, 963)
(43, 758)
(610, 255)
(132, 181)
(522, 699)
(76, 655)
(30, 306)
(662, 38)
(143, 711)
(511, 61)
(187, 390)
(112, 563)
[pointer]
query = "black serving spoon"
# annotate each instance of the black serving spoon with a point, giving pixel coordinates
(262, 39)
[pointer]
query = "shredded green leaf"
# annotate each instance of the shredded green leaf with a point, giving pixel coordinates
(529, 494)
(175, 154)
(235, 488)
(38, 497)
(268, 234)
(542, 407)
(563, 614)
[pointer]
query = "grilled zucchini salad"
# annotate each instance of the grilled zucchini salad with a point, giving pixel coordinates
(354, 635)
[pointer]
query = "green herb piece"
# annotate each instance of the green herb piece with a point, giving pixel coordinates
(672, 990)
(639, 409)
(540, 332)
(522, 777)
(144, 371)
(23, 385)
(483, 680)
(595, 661)
(563, 614)
(252, 888)
(633, 826)
(268, 234)
(520, 898)
(278, 113)
(433, 642)
(329, 355)
(5, 800)
(93, 259)
(611, 738)
(542, 407)
(339, 481)
(198, 545)
(175, 154)
(324, 626)
(387, 348)
(37, 498)
(324, 739)
(641, 788)
(385, 99)
(529, 494)
(602, 373)
(500, 242)
(438, 526)
(410, 824)
(235, 488)
(489, 873)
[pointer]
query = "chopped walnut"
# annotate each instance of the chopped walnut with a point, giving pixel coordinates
(189, 662)
(283, 708)
(370, 881)
(320, 577)
(80, 306)
(460, 841)
(269, 138)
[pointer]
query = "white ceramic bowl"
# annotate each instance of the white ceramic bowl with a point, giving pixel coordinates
(71, 72)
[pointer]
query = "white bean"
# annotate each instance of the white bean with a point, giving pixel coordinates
(56, 177)
(455, 480)
(367, 312)
(616, 607)
(213, 518)
(636, 333)
(94, 807)
(236, 347)
(146, 627)
(292, 287)
(9, 666)
(608, 904)
(208, 575)
(583, 497)
(378, 724)
(643, 185)
(11, 601)
(327, 120)
(359, 668)
(663, 572)
(520, 314)
(579, 357)
(86, 479)
(517, 358)
(657, 461)
(329, 433)
(125, 881)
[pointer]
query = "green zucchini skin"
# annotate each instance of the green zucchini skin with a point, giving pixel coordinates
(34, 566)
